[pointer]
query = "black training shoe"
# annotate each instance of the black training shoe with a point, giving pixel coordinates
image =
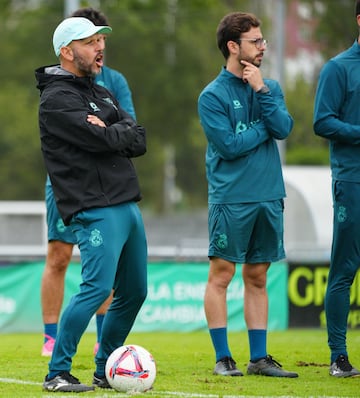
(100, 382)
(65, 382)
(226, 367)
(268, 367)
(341, 367)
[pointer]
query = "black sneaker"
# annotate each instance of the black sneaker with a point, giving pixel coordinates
(268, 367)
(343, 368)
(226, 367)
(100, 382)
(65, 382)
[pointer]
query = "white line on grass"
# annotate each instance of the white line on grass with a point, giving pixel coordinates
(168, 394)
(165, 394)
(16, 381)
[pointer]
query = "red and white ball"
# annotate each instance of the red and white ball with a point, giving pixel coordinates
(130, 368)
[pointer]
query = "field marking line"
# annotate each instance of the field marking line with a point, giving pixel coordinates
(16, 381)
(168, 393)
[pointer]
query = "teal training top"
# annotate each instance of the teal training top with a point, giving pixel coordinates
(337, 112)
(241, 126)
(118, 85)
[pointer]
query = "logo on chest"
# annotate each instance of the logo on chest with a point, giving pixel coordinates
(94, 107)
(237, 104)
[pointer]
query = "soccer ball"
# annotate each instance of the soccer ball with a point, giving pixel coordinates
(130, 368)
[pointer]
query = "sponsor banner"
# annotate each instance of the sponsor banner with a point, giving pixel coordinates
(174, 301)
(306, 291)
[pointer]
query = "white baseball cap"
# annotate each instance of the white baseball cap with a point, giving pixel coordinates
(75, 28)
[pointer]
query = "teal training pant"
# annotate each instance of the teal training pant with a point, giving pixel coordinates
(345, 261)
(113, 253)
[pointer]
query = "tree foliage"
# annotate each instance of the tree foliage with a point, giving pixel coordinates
(336, 24)
(167, 51)
(165, 48)
(336, 30)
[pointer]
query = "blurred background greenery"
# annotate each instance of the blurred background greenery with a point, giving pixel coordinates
(167, 51)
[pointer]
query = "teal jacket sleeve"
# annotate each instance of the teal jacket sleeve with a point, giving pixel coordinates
(273, 121)
(116, 82)
(123, 93)
(274, 113)
(220, 133)
(329, 119)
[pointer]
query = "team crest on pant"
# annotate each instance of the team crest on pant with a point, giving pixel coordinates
(96, 238)
(60, 226)
(222, 241)
(341, 214)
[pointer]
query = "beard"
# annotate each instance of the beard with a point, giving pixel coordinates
(83, 66)
(254, 61)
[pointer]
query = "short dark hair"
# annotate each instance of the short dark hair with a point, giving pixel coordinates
(357, 8)
(95, 16)
(232, 26)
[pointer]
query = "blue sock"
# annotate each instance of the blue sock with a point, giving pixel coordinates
(50, 329)
(257, 343)
(220, 343)
(99, 323)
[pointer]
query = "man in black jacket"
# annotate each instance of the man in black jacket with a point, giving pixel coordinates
(87, 141)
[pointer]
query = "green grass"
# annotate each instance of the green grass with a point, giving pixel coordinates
(184, 366)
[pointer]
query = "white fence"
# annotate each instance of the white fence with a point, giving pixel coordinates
(308, 224)
(23, 233)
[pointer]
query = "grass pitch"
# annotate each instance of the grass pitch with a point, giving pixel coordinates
(184, 366)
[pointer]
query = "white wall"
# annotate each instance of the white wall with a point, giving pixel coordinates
(308, 213)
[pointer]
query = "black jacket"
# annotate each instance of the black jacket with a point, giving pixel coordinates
(89, 166)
